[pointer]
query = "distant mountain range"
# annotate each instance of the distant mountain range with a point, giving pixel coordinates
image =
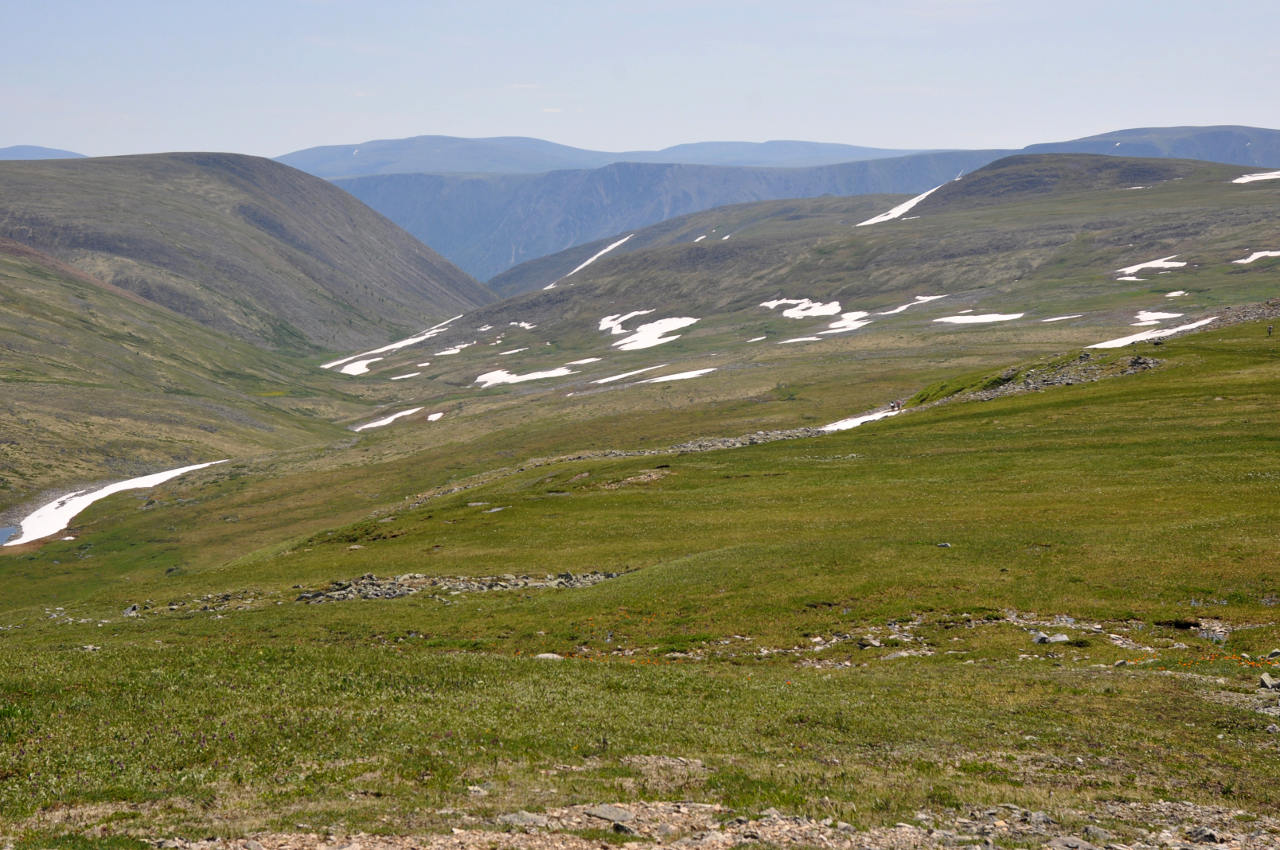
(488, 223)
(37, 152)
(518, 155)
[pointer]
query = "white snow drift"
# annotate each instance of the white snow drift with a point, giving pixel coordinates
(502, 376)
(980, 319)
(678, 376)
(920, 299)
(1256, 255)
(1260, 175)
(386, 420)
(654, 333)
(421, 336)
(855, 421)
(49, 519)
(1162, 263)
(900, 210)
(1146, 335)
(803, 308)
(590, 260)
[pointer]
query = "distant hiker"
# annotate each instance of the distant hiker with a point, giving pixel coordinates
(1269, 327)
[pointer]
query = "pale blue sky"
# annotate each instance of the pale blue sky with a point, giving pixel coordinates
(269, 77)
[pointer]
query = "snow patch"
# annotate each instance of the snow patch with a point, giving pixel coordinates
(612, 378)
(585, 361)
(1260, 175)
(1177, 293)
(1162, 263)
(402, 377)
(980, 319)
(434, 417)
(757, 339)
(1256, 255)
(457, 348)
(647, 336)
(386, 420)
(1132, 277)
(855, 421)
(800, 339)
(512, 351)
(848, 322)
(1063, 318)
(1145, 335)
(501, 376)
(900, 210)
(700, 238)
(613, 324)
(678, 376)
(526, 325)
(358, 367)
(920, 299)
(421, 336)
(1149, 317)
(803, 308)
(597, 255)
(49, 519)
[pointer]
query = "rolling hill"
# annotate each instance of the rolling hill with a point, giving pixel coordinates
(242, 245)
(655, 537)
(489, 223)
(36, 152)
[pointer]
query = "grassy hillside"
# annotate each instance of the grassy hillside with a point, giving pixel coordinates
(99, 383)
(241, 245)
(1054, 592)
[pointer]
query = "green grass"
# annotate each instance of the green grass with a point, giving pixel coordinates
(371, 714)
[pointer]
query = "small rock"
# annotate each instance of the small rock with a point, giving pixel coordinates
(477, 791)
(1275, 653)
(131, 611)
(615, 814)
(944, 545)
(1121, 663)
(1269, 682)
(250, 844)
(1058, 638)
(549, 656)
(623, 829)
(1096, 833)
(522, 818)
(868, 642)
(1069, 842)
(354, 546)
(1039, 637)
(770, 813)
(1204, 835)
(1273, 729)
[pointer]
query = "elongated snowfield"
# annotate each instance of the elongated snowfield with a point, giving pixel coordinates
(1256, 255)
(1162, 263)
(590, 260)
(1146, 335)
(624, 375)
(803, 308)
(980, 319)
(502, 376)
(359, 367)
(920, 299)
(855, 421)
(678, 376)
(386, 420)
(900, 210)
(613, 324)
(654, 333)
(49, 519)
(1255, 177)
(421, 336)
(1062, 318)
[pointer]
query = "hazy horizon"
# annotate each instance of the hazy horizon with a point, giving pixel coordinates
(143, 76)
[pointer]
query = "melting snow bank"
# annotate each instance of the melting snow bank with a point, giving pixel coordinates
(1256, 255)
(900, 210)
(613, 324)
(647, 336)
(1145, 335)
(678, 376)
(358, 367)
(612, 378)
(1162, 263)
(422, 336)
(387, 420)
(920, 299)
(854, 422)
(848, 322)
(1261, 175)
(55, 516)
(1063, 318)
(1148, 317)
(502, 376)
(982, 318)
(589, 261)
(803, 308)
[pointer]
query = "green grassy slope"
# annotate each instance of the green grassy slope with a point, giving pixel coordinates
(1088, 510)
(98, 383)
(1134, 515)
(242, 245)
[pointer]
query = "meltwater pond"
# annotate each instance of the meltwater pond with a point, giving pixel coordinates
(7, 531)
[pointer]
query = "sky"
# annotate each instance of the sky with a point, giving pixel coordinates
(274, 76)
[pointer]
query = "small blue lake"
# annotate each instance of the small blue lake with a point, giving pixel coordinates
(7, 531)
